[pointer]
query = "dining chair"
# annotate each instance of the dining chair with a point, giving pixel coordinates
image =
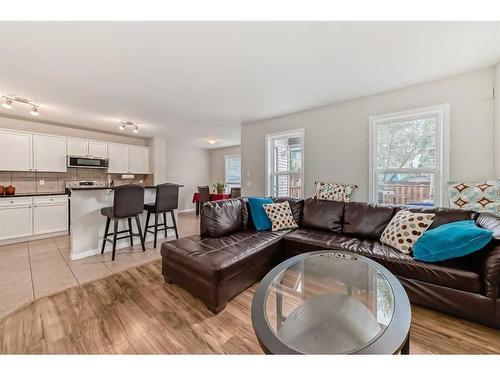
(235, 192)
(204, 195)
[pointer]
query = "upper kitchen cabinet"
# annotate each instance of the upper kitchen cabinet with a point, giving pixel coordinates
(118, 155)
(84, 147)
(77, 147)
(98, 149)
(139, 159)
(49, 153)
(15, 151)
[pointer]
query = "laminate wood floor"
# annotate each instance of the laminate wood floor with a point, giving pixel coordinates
(136, 311)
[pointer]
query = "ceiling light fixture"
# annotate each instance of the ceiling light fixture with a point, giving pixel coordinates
(212, 141)
(124, 124)
(8, 99)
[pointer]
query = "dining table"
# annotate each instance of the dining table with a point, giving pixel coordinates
(213, 197)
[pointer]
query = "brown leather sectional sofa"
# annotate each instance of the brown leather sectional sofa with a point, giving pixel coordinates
(229, 255)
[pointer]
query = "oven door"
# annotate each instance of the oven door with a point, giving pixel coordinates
(85, 162)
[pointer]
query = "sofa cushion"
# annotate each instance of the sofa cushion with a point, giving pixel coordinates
(219, 259)
(296, 205)
(333, 191)
(323, 214)
(443, 215)
(482, 196)
(490, 222)
(223, 217)
(461, 274)
(367, 220)
(405, 229)
(452, 240)
(280, 215)
(259, 217)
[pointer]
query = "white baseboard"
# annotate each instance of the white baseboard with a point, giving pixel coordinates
(188, 210)
(33, 238)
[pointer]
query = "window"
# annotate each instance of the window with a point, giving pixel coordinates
(232, 170)
(408, 156)
(285, 164)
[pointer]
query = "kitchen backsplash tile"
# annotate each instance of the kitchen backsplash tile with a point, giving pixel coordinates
(29, 182)
(5, 178)
(24, 185)
(49, 186)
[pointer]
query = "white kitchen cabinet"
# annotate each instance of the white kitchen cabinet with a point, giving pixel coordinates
(50, 214)
(98, 149)
(15, 151)
(139, 159)
(16, 218)
(77, 147)
(118, 155)
(49, 153)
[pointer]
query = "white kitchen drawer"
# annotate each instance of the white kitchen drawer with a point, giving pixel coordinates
(51, 199)
(15, 201)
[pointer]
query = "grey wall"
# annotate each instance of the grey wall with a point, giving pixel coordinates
(497, 120)
(217, 164)
(336, 136)
(189, 166)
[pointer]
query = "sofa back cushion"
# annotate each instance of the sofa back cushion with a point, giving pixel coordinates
(491, 222)
(296, 205)
(444, 215)
(367, 220)
(221, 218)
(323, 214)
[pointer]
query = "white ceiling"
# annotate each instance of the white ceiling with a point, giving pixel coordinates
(199, 80)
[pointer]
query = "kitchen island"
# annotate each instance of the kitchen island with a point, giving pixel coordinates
(87, 223)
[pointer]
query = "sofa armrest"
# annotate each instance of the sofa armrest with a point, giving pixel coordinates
(491, 270)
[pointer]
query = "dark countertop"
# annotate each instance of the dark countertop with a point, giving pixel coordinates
(31, 195)
(104, 188)
(111, 188)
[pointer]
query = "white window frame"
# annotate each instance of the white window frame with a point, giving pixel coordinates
(441, 170)
(269, 168)
(225, 169)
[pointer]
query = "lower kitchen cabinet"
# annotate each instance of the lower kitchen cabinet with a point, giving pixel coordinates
(16, 218)
(25, 218)
(50, 214)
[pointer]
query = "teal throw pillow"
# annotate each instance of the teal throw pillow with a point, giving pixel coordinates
(259, 217)
(451, 240)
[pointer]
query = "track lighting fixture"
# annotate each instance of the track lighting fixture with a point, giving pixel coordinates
(8, 99)
(124, 124)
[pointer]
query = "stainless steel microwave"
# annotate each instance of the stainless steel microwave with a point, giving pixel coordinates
(87, 162)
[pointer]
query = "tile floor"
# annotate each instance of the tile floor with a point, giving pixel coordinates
(34, 269)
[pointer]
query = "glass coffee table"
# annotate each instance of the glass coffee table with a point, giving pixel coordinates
(331, 302)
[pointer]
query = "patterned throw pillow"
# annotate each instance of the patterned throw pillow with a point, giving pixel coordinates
(482, 196)
(280, 215)
(334, 192)
(405, 229)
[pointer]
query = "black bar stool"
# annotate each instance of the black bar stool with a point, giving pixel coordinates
(128, 202)
(166, 201)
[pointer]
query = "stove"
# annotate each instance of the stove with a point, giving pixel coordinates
(87, 184)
